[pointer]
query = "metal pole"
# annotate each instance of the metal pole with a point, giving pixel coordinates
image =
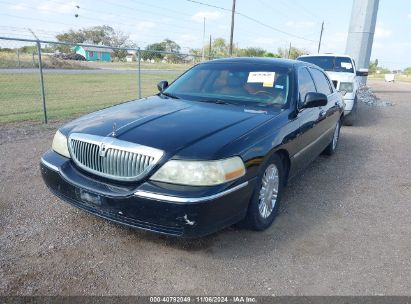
(232, 28)
(289, 51)
(203, 38)
(361, 33)
(18, 57)
(43, 96)
(321, 37)
(139, 72)
(209, 50)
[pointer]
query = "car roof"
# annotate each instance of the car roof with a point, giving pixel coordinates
(286, 63)
(325, 55)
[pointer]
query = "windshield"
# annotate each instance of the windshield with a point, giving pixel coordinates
(247, 84)
(331, 63)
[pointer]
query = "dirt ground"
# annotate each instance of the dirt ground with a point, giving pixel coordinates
(344, 227)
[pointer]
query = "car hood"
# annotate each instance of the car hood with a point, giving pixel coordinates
(341, 76)
(169, 124)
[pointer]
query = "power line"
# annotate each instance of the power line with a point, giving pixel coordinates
(254, 20)
(209, 5)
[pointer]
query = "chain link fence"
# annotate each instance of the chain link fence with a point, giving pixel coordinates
(45, 80)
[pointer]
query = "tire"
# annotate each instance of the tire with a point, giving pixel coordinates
(256, 218)
(350, 119)
(332, 146)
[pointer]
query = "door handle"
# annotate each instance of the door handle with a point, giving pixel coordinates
(322, 113)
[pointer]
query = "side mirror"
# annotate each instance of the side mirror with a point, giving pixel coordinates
(162, 85)
(314, 99)
(362, 72)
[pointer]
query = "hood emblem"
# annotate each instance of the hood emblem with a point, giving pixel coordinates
(114, 130)
(103, 150)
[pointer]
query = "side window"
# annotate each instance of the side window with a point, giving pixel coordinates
(322, 82)
(305, 83)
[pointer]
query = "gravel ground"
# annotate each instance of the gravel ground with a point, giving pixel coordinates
(344, 227)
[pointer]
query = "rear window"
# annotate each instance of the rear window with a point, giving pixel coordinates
(322, 82)
(331, 63)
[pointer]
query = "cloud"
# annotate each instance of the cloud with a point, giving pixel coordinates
(409, 16)
(143, 26)
(381, 32)
(334, 42)
(300, 24)
(209, 15)
(18, 7)
(266, 41)
(53, 7)
(188, 39)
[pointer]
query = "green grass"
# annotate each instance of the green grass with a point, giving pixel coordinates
(69, 95)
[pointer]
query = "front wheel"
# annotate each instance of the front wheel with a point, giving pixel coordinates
(265, 201)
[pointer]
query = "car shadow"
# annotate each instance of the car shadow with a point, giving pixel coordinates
(310, 199)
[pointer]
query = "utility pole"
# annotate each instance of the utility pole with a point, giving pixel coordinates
(232, 28)
(289, 51)
(209, 50)
(203, 39)
(321, 37)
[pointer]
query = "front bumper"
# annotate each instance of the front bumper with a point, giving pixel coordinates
(349, 105)
(148, 206)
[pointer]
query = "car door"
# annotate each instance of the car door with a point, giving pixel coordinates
(309, 122)
(329, 114)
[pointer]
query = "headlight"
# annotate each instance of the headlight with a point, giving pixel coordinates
(60, 144)
(347, 86)
(200, 173)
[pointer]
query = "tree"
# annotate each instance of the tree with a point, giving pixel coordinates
(219, 48)
(166, 45)
(251, 52)
(373, 66)
(294, 52)
(407, 71)
(104, 35)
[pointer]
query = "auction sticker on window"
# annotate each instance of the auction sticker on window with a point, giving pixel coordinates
(346, 65)
(261, 77)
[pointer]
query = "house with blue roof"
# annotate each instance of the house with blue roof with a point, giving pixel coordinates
(94, 53)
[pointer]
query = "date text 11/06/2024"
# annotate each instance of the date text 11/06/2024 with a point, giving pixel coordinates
(203, 299)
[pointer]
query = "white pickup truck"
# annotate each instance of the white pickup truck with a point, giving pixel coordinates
(343, 73)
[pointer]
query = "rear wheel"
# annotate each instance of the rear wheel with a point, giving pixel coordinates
(265, 201)
(330, 150)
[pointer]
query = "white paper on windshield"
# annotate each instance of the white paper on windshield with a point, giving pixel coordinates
(261, 77)
(346, 65)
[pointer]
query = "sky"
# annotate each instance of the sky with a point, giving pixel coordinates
(283, 22)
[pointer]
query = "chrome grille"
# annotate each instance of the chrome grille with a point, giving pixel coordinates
(112, 158)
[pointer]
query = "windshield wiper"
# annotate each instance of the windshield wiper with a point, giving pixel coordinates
(219, 101)
(170, 95)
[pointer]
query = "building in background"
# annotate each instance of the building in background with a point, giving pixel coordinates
(94, 53)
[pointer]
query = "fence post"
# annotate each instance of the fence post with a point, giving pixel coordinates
(139, 72)
(43, 96)
(18, 57)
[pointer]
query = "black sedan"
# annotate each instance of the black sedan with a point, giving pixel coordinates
(215, 147)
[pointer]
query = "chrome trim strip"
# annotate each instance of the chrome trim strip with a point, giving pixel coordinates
(175, 199)
(48, 165)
